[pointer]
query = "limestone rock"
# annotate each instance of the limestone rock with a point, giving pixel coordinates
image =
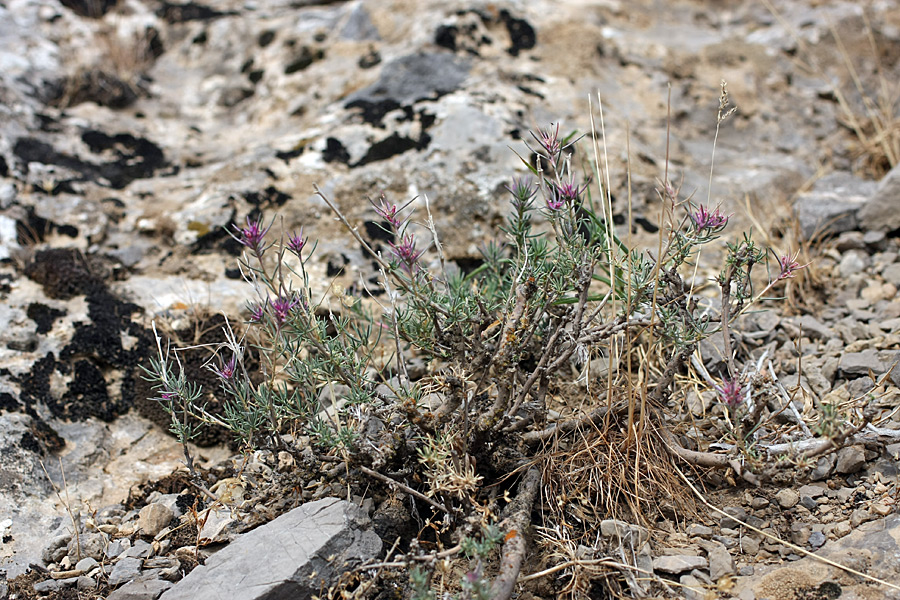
(149, 589)
(850, 459)
(787, 498)
(679, 563)
(313, 542)
(831, 206)
(880, 210)
(154, 517)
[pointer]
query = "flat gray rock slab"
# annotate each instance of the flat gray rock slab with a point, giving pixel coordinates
(295, 556)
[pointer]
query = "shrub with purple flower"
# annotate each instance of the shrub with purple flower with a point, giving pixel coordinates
(253, 236)
(705, 220)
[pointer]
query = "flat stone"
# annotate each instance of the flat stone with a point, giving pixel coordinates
(84, 584)
(125, 570)
(891, 274)
(880, 211)
(858, 517)
(47, 586)
(721, 562)
(758, 502)
(697, 530)
(148, 589)
(87, 544)
(154, 517)
(414, 77)
(749, 546)
(816, 539)
(140, 549)
(808, 503)
(813, 491)
(117, 547)
(294, 556)
(679, 563)
(881, 509)
(860, 363)
(814, 328)
(692, 588)
(86, 564)
(841, 529)
(850, 459)
(832, 205)
(634, 535)
(735, 514)
(787, 498)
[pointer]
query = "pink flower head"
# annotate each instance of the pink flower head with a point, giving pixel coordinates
(730, 392)
(703, 219)
(282, 307)
(253, 235)
(296, 242)
(568, 191)
(169, 396)
(226, 373)
(789, 265)
(406, 251)
(388, 212)
(257, 312)
(549, 141)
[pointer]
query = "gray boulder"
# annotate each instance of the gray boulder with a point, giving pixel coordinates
(295, 556)
(882, 210)
(832, 205)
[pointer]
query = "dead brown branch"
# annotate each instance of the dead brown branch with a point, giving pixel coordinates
(519, 519)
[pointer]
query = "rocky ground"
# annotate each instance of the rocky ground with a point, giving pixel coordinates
(135, 133)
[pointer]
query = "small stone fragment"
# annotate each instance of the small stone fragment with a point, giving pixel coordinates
(808, 503)
(816, 539)
(858, 517)
(697, 530)
(758, 502)
(850, 459)
(787, 498)
(735, 514)
(800, 534)
(679, 564)
(720, 561)
(749, 546)
(813, 491)
(882, 509)
(149, 589)
(127, 569)
(154, 518)
(841, 529)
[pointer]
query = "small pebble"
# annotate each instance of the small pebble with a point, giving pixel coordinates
(787, 498)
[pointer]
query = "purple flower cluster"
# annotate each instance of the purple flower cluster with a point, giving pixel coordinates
(282, 307)
(730, 392)
(296, 243)
(788, 265)
(549, 141)
(704, 219)
(253, 235)
(227, 371)
(406, 251)
(388, 212)
(564, 192)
